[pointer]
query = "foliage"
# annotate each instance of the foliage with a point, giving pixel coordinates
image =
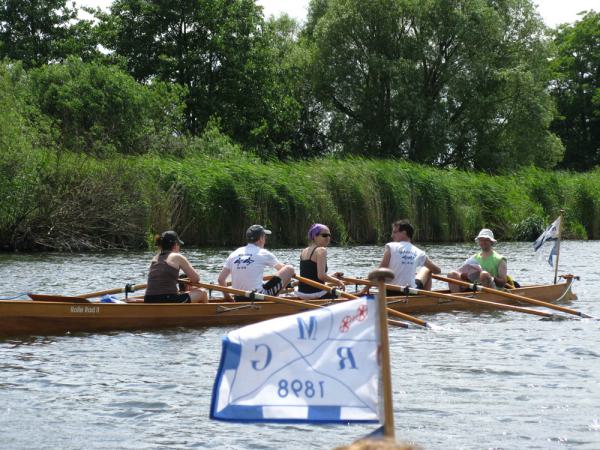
(221, 51)
(22, 129)
(577, 91)
(101, 110)
(52, 200)
(214, 144)
(296, 116)
(38, 32)
(529, 228)
(450, 83)
(203, 116)
(446, 83)
(71, 202)
(85, 203)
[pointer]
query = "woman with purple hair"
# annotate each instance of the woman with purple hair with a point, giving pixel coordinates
(313, 263)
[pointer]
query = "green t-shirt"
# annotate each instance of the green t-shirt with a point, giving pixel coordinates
(491, 263)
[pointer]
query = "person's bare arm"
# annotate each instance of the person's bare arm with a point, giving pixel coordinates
(501, 279)
(321, 257)
(385, 261)
(222, 280)
(434, 268)
(187, 268)
(384, 264)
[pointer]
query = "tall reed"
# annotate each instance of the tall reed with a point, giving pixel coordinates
(67, 201)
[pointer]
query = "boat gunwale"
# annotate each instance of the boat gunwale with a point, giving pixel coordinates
(214, 301)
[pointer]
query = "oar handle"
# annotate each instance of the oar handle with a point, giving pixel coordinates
(521, 298)
(472, 286)
(336, 292)
(253, 295)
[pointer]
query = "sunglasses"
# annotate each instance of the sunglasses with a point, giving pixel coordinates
(325, 234)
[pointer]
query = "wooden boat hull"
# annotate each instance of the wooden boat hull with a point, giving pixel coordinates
(418, 304)
(57, 315)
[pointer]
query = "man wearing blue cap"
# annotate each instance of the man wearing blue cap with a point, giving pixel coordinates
(246, 266)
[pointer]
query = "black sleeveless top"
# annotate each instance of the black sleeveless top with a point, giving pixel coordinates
(162, 278)
(308, 269)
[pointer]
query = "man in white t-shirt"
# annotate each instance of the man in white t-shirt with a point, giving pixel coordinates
(411, 265)
(246, 266)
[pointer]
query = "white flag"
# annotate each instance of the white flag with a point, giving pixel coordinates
(316, 366)
(550, 234)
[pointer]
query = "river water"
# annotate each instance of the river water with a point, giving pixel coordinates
(490, 380)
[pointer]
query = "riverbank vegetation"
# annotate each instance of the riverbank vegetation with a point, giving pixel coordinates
(70, 201)
(205, 117)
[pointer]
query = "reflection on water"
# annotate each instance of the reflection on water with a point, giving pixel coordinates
(487, 380)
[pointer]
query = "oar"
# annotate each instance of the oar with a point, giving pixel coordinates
(128, 288)
(83, 298)
(409, 290)
(257, 296)
(521, 298)
(57, 298)
(336, 291)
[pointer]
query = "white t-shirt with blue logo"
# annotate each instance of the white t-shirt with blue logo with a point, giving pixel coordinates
(247, 265)
(405, 259)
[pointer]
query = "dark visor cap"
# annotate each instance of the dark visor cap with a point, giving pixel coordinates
(170, 237)
(255, 232)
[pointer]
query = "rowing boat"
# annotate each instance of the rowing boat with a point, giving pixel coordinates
(54, 314)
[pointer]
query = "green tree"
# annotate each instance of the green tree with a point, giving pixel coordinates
(292, 119)
(101, 109)
(23, 130)
(458, 83)
(219, 50)
(577, 91)
(37, 32)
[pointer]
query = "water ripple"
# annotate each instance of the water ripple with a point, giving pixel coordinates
(488, 380)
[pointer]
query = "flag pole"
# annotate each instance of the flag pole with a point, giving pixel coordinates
(380, 276)
(560, 226)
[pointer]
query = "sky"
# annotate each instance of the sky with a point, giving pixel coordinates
(553, 12)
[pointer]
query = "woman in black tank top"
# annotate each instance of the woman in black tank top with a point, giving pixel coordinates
(163, 275)
(313, 263)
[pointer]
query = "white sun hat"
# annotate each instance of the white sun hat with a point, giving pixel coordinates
(486, 233)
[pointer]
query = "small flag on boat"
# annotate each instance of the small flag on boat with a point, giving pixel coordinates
(550, 234)
(316, 366)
